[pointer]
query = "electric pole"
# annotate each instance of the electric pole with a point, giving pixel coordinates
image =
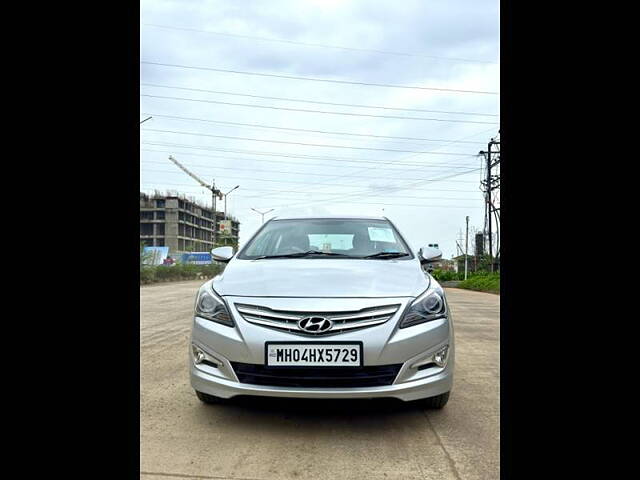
(488, 184)
(489, 200)
(466, 250)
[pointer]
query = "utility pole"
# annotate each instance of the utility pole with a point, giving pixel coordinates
(466, 250)
(489, 200)
(262, 213)
(489, 207)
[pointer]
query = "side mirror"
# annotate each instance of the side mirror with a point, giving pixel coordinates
(429, 255)
(222, 254)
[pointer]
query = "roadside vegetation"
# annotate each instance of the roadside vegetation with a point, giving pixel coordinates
(481, 281)
(447, 275)
(179, 271)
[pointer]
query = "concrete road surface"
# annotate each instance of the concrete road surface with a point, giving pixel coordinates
(181, 438)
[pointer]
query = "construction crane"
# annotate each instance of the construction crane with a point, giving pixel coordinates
(214, 191)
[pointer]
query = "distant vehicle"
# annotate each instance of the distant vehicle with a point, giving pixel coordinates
(334, 307)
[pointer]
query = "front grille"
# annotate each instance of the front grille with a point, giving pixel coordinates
(318, 377)
(287, 320)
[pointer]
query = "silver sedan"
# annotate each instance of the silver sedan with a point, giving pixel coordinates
(336, 307)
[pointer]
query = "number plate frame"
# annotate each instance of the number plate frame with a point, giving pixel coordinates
(359, 344)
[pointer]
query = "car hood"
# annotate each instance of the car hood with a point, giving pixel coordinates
(320, 277)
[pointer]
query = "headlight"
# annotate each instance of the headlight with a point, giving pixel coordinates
(210, 306)
(428, 306)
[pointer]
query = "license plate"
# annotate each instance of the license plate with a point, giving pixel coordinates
(314, 354)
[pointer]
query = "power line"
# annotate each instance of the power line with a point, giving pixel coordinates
(320, 45)
(312, 174)
(278, 154)
(286, 198)
(312, 79)
(388, 204)
(446, 178)
(306, 192)
(421, 182)
(404, 188)
(415, 183)
(325, 112)
(318, 102)
(324, 182)
(408, 171)
(301, 164)
(324, 145)
(310, 170)
(421, 205)
(346, 185)
(328, 132)
(309, 174)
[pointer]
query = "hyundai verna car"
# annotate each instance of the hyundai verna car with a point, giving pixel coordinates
(334, 307)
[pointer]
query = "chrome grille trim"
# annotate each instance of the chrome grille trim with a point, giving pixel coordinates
(270, 323)
(288, 320)
(251, 310)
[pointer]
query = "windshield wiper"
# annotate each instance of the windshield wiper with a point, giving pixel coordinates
(387, 255)
(302, 254)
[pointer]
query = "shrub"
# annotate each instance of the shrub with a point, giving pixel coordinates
(447, 275)
(179, 271)
(147, 275)
(482, 281)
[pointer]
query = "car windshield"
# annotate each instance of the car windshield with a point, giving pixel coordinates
(327, 238)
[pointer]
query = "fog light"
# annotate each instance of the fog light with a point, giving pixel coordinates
(440, 357)
(204, 358)
(198, 355)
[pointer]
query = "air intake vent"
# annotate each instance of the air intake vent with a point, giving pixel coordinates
(318, 377)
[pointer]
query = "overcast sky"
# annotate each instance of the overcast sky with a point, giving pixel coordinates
(435, 44)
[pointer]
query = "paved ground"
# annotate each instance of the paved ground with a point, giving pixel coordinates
(275, 439)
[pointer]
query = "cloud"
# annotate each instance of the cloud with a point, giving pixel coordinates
(284, 176)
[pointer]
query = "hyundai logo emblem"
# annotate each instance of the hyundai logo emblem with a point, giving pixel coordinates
(315, 324)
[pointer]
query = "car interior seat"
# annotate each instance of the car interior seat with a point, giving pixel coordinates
(361, 244)
(294, 242)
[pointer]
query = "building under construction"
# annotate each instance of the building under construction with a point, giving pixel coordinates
(182, 224)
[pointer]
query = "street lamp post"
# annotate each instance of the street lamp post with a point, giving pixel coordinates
(262, 213)
(225, 210)
(225, 200)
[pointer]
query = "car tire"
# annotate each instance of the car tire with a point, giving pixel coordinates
(210, 399)
(438, 401)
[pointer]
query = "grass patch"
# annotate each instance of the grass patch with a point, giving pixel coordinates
(482, 282)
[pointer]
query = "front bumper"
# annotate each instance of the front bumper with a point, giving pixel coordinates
(223, 388)
(383, 345)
